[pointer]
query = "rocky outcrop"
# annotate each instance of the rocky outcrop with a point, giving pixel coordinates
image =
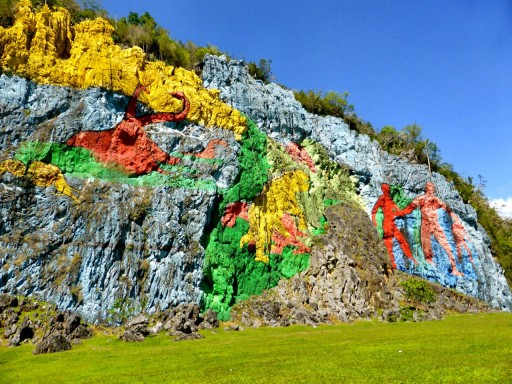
(347, 278)
(136, 329)
(27, 320)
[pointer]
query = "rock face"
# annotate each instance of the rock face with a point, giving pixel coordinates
(129, 186)
(346, 279)
(465, 246)
(119, 238)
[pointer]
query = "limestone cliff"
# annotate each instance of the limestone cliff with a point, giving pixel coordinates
(130, 185)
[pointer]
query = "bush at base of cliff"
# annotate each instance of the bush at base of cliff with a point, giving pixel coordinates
(418, 290)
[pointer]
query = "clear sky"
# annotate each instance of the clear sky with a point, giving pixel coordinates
(445, 65)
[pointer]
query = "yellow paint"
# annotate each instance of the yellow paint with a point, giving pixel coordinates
(42, 174)
(85, 55)
(17, 168)
(265, 213)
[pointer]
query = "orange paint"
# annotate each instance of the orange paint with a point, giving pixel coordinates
(460, 235)
(429, 204)
(209, 151)
(291, 237)
(300, 155)
(234, 210)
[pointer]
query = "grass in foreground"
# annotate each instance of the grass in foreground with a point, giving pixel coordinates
(459, 349)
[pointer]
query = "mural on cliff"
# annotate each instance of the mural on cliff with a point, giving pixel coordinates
(129, 181)
(403, 227)
(427, 229)
(151, 249)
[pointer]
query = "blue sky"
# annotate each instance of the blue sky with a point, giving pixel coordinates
(445, 65)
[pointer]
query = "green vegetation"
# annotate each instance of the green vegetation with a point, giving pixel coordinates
(7, 12)
(261, 71)
(79, 10)
(325, 104)
(459, 349)
(417, 290)
(144, 32)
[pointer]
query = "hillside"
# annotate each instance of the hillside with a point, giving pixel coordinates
(131, 183)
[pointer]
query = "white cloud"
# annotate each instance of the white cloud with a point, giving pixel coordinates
(503, 207)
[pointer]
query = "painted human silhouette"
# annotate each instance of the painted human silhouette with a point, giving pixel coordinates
(429, 204)
(390, 230)
(460, 236)
(127, 144)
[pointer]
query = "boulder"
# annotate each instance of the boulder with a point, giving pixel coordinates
(7, 301)
(209, 320)
(136, 329)
(188, 336)
(52, 343)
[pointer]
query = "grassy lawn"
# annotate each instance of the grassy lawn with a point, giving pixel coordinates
(459, 349)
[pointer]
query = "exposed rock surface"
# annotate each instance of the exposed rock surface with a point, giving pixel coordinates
(184, 321)
(55, 342)
(267, 104)
(28, 320)
(136, 329)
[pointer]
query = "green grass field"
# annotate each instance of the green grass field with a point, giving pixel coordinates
(459, 349)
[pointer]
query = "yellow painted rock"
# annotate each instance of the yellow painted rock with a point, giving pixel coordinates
(265, 213)
(47, 49)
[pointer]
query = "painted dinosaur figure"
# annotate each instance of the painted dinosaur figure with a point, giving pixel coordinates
(127, 144)
(42, 174)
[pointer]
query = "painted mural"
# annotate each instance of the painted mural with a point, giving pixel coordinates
(265, 200)
(267, 214)
(127, 145)
(424, 230)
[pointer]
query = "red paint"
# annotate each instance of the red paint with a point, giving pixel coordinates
(234, 210)
(127, 144)
(209, 151)
(391, 231)
(429, 204)
(280, 241)
(460, 235)
(300, 155)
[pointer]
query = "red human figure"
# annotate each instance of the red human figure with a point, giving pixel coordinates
(391, 231)
(429, 204)
(460, 235)
(127, 144)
